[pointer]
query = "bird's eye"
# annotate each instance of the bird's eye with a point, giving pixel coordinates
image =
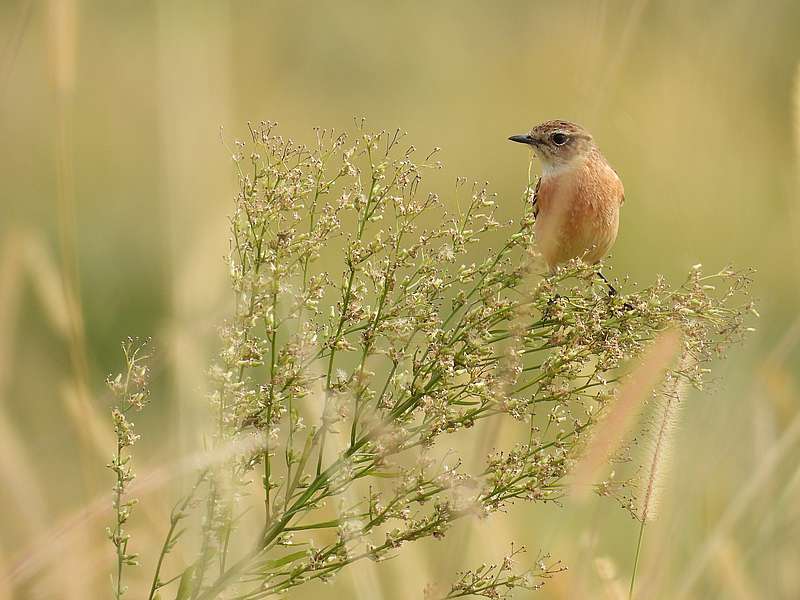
(559, 139)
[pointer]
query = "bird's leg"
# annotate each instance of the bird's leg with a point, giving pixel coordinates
(612, 291)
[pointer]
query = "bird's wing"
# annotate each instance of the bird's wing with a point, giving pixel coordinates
(535, 198)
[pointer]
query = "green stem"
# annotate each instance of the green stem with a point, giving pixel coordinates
(118, 529)
(636, 559)
(175, 518)
(272, 366)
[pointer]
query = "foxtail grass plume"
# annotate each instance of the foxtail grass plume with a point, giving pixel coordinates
(621, 415)
(658, 445)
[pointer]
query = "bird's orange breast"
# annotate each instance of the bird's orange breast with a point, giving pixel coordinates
(578, 212)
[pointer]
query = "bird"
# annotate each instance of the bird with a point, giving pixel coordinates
(577, 198)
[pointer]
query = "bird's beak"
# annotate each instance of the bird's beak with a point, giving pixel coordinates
(524, 139)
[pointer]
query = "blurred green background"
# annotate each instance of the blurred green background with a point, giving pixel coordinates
(115, 187)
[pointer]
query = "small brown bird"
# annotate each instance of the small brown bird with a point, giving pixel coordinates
(577, 198)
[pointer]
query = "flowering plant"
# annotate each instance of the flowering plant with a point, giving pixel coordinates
(371, 322)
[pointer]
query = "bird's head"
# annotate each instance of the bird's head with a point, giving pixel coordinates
(557, 143)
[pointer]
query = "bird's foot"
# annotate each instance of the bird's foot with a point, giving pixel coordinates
(550, 303)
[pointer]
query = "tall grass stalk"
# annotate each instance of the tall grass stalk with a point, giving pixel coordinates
(658, 451)
(738, 505)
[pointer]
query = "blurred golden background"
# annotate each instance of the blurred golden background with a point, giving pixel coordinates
(116, 185)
